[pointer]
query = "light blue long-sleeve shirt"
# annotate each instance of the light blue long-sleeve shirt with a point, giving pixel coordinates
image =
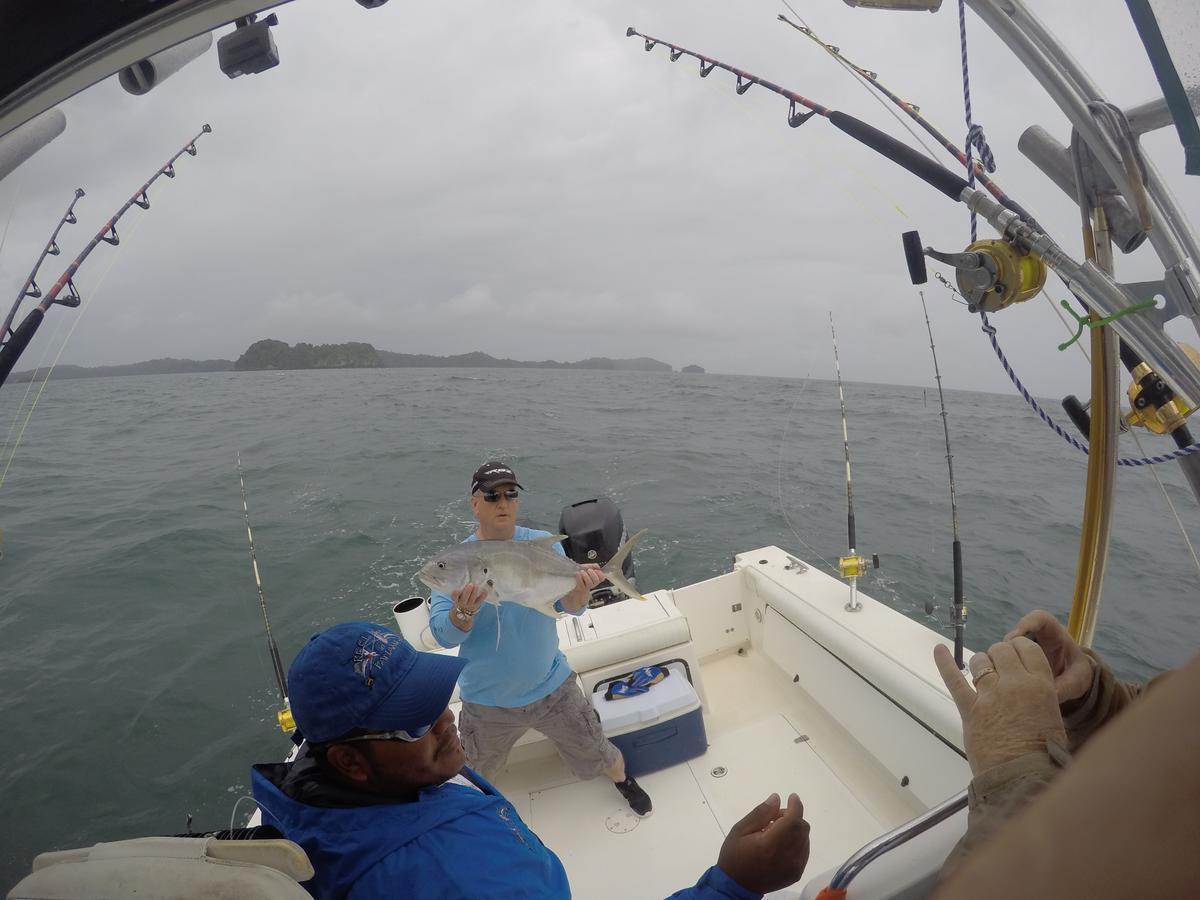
(526, 667)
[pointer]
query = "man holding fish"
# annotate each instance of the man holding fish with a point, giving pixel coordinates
(496, 597)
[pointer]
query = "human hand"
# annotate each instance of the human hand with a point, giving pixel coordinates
(468, 598)
(768, 849)
(1012, 709)
(587, 577)
(1072, 668)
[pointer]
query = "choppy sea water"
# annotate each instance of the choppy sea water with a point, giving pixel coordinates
(136, 686)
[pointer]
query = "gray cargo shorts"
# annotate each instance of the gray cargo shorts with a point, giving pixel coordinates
(564, 715)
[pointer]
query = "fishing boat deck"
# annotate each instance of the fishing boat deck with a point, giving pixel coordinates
(764, 737)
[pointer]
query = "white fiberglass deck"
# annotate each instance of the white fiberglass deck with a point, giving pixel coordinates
(765, 735)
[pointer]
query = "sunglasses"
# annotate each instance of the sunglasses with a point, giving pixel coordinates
(414, 734)
(494, 496)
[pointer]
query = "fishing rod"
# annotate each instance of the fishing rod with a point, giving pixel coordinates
(960, 609)
(852, 565)
(913, 112)
(23, 333)
(30, 287)
(284, 715)
(1164, 416)
(997, 273)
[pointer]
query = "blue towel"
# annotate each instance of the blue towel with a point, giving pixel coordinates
(638, 682)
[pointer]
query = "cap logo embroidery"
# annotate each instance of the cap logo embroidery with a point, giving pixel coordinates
(371, 652)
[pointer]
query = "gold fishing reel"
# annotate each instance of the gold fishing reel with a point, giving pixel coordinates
(852, 566)
(1152, 403)
(992, 274)
(1006, 275)
(287, 723)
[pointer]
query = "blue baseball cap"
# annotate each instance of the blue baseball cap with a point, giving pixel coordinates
(357, 675)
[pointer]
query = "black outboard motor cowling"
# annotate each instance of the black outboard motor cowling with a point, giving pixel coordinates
(595, 532)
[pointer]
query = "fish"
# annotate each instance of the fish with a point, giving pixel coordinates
(529, 573)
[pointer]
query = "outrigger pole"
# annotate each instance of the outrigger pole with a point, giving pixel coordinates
(1023, 251)
(19, 338)
(30, 287)
(960, 608)
(850, 566)
(284, 715)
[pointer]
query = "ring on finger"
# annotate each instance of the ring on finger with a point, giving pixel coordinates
(987, 670)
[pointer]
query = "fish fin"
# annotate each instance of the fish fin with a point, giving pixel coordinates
(612, 571)
(548, 540)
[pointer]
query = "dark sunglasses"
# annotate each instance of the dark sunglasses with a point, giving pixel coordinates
(413, 734)
(494, 496)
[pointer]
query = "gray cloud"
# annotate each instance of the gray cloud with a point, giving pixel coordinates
(525, 180)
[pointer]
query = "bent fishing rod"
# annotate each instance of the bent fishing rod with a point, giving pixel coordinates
(23, 333)
(30, 287)
(283, 715)
(960, 609)
(992, 274)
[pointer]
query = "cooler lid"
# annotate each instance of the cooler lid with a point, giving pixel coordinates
(670, 695)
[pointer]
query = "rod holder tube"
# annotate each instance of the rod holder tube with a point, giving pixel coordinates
(1054, 160)
(412, 618)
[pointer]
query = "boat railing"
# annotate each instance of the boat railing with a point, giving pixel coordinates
(867, 854)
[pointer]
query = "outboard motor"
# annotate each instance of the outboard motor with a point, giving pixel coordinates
(595, 532)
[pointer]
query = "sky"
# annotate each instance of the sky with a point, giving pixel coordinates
(525, 180)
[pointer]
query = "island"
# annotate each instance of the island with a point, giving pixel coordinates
(692, 370)
(273, 355)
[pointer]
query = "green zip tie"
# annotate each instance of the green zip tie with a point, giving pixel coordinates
(1088, 322)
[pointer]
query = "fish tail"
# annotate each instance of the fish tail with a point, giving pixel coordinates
(613, 572)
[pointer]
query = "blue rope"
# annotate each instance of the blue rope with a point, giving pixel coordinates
(990, 331)
(976, 140)
(975, 136)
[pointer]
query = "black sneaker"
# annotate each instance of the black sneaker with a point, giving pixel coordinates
(639, 800)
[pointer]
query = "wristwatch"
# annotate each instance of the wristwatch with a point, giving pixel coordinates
(462, 615)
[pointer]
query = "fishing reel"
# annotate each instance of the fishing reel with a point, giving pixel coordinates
(991, 274)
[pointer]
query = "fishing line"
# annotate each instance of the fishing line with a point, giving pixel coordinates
(857, 74)
(1186, 540)
(238, 802)
(11, 210)
(787, 425)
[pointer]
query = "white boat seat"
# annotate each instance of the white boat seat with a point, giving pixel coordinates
(170, 868)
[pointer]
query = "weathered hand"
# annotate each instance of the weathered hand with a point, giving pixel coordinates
(1071, 666)
(768, 849)
(588, 576)
(469, 597)
(1012, 710)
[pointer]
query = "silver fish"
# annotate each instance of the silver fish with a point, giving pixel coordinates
(526, 572)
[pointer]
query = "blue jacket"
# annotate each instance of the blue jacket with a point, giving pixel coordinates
(527, 665)
(450, 843)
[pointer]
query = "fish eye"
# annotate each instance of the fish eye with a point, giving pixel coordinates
(441, 565)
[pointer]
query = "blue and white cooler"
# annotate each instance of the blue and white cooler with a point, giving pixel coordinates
(660, 728)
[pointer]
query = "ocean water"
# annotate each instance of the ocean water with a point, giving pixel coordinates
(136, 686)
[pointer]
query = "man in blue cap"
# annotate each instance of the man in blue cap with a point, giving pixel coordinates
(381, 800)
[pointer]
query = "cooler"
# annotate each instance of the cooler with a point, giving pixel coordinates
(657, 729)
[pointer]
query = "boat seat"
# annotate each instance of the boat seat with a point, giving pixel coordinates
(170, 868)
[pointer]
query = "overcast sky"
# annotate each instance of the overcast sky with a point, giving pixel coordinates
(522, 179)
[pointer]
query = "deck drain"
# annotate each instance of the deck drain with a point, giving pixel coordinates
(622, 821)
(718, 771)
